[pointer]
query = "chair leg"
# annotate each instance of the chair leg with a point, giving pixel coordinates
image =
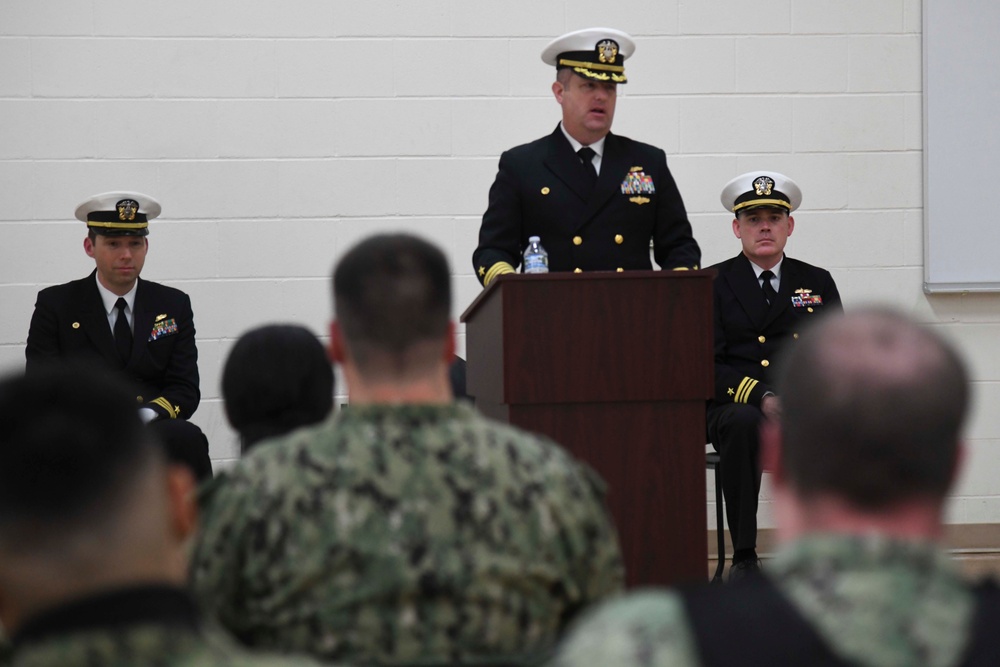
(720, 528)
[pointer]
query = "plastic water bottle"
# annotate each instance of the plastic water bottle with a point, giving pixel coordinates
(536, 260)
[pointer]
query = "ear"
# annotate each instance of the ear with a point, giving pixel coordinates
(557, 90)
(88, 246)
(183, 502)
(336, 350)
(449, 344)
(736, 228)
(791, 225)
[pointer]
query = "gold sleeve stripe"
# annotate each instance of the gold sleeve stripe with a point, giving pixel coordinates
(743, 391)
(497, 269)
(174, 412)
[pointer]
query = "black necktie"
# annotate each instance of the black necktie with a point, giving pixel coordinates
(770, 296)
(123, 334)
(587, 157)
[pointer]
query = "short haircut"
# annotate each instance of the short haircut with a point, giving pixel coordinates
(872, 410)
(392, 292)
(71, 445)
(276, 378)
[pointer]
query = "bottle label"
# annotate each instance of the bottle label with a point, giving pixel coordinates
(536, 264)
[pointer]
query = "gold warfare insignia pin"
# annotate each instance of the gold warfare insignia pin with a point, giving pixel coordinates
(161, 316)
(632, 170)
(607, 51)
(639, 200)
(763, 185)
(127, 208)
(803, 290)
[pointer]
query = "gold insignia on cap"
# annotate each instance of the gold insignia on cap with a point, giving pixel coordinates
(161, 316)
(763, 185)
(607, 51)
(127, 208)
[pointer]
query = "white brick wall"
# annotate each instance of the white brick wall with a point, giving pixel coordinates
(276, 135)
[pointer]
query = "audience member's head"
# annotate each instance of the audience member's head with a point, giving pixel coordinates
(87, 501)
(276, 379)
(872, 415)
(392, 303)
(185, 444)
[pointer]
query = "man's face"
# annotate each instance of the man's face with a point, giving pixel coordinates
(763, 232)
(119, 260)
(588, 107)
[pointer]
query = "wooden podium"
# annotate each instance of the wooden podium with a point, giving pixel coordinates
(615, 367)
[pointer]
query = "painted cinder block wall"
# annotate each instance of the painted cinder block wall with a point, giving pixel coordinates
(277, 134)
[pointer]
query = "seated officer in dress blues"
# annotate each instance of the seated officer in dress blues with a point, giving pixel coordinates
(94, 530)
(762, 299)
(136, 328)
(864, 455)
(596, 199)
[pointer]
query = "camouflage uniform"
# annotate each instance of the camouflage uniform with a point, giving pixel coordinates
(876, 602)
(149, 626)
(405, 535)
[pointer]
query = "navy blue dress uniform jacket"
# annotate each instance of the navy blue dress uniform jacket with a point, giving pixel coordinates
(541, 189)
(749, 334)
(70, 322)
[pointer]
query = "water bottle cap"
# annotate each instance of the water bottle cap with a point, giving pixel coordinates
(534, 239)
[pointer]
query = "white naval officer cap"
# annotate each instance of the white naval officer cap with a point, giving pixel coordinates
(761, 188)
(119, 213)
(593, 53)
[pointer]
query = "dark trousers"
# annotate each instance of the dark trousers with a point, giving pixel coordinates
(734, 431)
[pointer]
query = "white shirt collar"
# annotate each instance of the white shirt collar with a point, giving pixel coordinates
(776, 269)
(109, 298)
(598, 145)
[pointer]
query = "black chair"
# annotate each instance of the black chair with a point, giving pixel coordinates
(713, 461)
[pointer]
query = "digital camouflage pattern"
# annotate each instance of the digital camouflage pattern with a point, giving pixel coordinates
(144, 645)
(405, 535)
(876, 602)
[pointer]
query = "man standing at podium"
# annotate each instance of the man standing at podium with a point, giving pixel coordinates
(762, 301)
(596, 199)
